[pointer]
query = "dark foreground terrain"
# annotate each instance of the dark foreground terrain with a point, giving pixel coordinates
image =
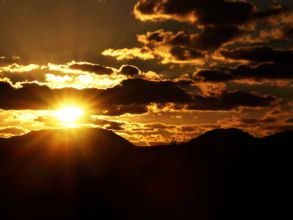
(95, 174)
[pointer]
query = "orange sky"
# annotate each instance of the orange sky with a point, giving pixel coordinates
(148, 70)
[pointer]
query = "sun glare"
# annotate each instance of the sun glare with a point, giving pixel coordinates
(69, 114)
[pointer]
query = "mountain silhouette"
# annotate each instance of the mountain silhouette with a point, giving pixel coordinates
(90, 173)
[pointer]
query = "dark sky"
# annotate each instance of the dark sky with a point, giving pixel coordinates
(64, 30)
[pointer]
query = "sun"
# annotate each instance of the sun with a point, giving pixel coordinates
(69, 114)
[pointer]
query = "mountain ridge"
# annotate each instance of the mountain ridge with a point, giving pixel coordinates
(89, 173)
(212, 134)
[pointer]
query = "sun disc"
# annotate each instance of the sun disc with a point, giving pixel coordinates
(69, 114)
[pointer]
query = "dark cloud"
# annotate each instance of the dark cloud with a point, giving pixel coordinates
(272, 72)
(27, 76)
(274, 10)
(207, 12)
(93, 68)
(131, 96)
(129, 70)
(280, 70)
(268, 63)
(249, 121)
(265, 71)
(25, 98)
(140, 91)
(258, 121)
(111, 125)
(230, 100)
(207, 38)
(188, 128)
(35, 96)
(214, 37)
(114, 110)
(259, 54)
(183, 53)
(213, 76)
(212, 12)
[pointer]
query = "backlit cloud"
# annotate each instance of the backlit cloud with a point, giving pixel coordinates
(149, 70)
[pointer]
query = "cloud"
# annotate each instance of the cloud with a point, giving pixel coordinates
(114, 110)
(274, 10)
(12, 131)
(213, 75)
(259, 54)
(217, 24)
(92, 68)
(230, 44)
(214, 37)
(128, 54)
(181, 47)
(129, 70)
(206, 38)
(140, 91)
(261, 63)
(166, 46)
(78, 75)
(265, 71)
(265, 123)
(131, 96)
(231, 100)
(36, 96)
(19, 68)
(213, 30)
(207, 12)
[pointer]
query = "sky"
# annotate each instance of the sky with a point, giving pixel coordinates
(149, 70)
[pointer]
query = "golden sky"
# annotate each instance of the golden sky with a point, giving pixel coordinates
(149, 70)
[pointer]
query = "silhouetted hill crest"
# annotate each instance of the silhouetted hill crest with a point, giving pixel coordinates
(98, 136)
(88, 173)
(223, 140)
(230, 134)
